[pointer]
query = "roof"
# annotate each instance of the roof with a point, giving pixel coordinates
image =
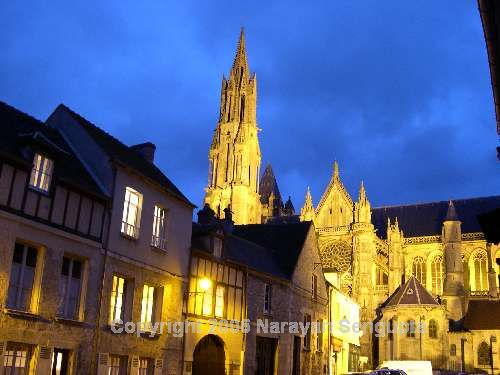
(20, 130)
(426, 219)
(411, 293)
(269, 185)
(489, 224)
(127, 155)
(284, 240)
(482, 315)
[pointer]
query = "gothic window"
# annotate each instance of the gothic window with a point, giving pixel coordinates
(418, 269)
(410, 332)
(478, 266)
(337, 255)
(381, 277)
(346, 286)
(483, 354)
(242, 109)
(453, 350)
(227, 162)
(437, 274)
(433, 329)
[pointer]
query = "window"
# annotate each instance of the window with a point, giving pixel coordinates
(267, 298)
(131, 213)
(479, 271)
(70, 288)
(433, 329)
(16, 359)
(117, 305)
(418, 270)
(60, 360)
(390, 330)
(453, 350)
(147, 307)
(146, 366)
(307, 337)
(118, 365)
(159, 237)
(381, 277)
(483, 354)
(410, 328)
(219, 301)
(217, 247)
(319, 336)
(41, 173)
(22, 277)
(314, 286)
(437, 274)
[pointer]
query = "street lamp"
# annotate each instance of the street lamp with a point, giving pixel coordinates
(204, 284)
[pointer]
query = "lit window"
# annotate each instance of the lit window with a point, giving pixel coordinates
(410, 328)
(41, 173)
(314, 286)
(22, 277)
(319, 336)
(219, 301)
(453, 350)
(117, 365)
(433, 329)
(418, 270)
(117, 305)
(70, 288)
(437, 273)
(148, 297)
(146, 366)
(207, 295)
(267, 299)
(381, 277)
(159, 237)
(60, 360)
(479, 271)
(16, 359)
(131, 213)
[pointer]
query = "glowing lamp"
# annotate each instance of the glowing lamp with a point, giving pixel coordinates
(205, 284)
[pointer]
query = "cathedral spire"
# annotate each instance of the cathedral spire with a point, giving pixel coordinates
(451, 214)
(362, 192)
(240, 62)
(335, 170)
(307, 211)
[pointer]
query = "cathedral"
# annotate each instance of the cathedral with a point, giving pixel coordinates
(438, 247)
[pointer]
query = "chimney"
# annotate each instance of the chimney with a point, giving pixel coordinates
(146, 150)
(206, 216)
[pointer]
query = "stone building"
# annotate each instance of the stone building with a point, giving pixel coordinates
(281, 281)
(89, 242)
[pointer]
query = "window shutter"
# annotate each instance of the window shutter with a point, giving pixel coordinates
(158, 305)
(135, 362)
(44, 360)
(45, 352)
(2, 347)
(103, 364)
(158, 366)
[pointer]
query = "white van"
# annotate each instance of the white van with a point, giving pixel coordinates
(410, 367)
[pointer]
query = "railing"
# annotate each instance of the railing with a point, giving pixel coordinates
(342, 228)
(158, 242)
(130, 230)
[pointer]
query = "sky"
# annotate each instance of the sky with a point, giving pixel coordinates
(398, 92)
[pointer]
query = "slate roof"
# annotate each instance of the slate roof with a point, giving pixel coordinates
(126, 155)
(20, 130)
(482, 315)
(269, 185)
(284, 240)
(411, 293)
(426, 219)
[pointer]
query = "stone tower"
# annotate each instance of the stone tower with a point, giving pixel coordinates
(234, 156)
(307, 212)
(453, 291)
(364, 252)
(395, 242)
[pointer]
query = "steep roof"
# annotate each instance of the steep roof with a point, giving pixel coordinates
(126, 155)
(482, 315)
(285, 240)
(410, 293)
(269, 185)
(426, 219)
(20, 130)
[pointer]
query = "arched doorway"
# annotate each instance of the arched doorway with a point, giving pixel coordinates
(208, 356)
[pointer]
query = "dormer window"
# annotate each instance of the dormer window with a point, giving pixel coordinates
(41, 173)
(217, 247)
(131, 213)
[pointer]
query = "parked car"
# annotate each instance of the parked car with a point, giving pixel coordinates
(408, 367)
(386, 371)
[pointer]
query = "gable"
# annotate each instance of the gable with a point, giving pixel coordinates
(335, 207)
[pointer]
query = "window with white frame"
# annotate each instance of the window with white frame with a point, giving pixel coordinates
(41, 172)
(146, 366)
(118, 365)
(220, 293)
(159, 237)
(117, 303)
(16, 358)
(147, 306)
(267, 298)
(131, 217)
(22, 277)
(70, 288)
